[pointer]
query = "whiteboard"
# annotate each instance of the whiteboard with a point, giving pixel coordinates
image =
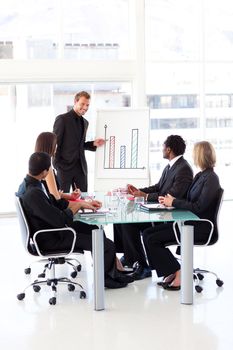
(125, 156)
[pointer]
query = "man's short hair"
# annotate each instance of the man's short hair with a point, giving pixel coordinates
(38, 162)
(176, 144)
(82, 94)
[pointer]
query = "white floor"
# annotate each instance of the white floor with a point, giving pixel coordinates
(141, 316)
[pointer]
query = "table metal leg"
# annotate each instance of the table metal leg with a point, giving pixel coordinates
(186, 264)
(98, 268)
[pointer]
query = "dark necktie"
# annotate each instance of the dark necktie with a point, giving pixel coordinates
(165, 173)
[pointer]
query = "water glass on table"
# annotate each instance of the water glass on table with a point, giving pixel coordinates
(138, 201)
(111, 203)
(88, 196)
(123, 200)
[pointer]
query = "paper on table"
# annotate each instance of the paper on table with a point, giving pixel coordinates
(154, 206)
(89, 212)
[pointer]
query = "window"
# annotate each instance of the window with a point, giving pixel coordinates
(179, 123)
(65, 29)
(173, 101)
(189, 76)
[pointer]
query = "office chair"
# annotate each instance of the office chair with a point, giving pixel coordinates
(213, 236)
(51, 258)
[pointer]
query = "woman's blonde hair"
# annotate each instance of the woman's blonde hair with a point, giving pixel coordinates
(204, 155)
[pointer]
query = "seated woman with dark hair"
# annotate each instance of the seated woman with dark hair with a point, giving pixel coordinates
(44, 211)
(201, 200)
(47, 142)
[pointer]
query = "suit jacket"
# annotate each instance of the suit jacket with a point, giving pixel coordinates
(43, 211)
(202, 195)
(177, 182)
(70, 147)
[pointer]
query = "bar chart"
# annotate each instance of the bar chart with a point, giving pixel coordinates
(124, 157)
(120, 156)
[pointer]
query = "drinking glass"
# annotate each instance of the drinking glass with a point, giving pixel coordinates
(123, 200)
(88, 196)
(111, 203)
(138, 201)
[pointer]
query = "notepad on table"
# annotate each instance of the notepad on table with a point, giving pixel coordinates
(154, 207)
(89, 212)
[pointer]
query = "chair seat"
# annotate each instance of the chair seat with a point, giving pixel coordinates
(59, 252)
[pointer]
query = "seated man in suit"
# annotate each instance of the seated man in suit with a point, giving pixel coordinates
(44, 212)
(175, 180)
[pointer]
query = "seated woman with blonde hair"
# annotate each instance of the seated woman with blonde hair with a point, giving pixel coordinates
(201, 200)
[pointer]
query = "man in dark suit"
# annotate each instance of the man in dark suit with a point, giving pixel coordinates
(175, 180)
(45, 212)
(71, 129)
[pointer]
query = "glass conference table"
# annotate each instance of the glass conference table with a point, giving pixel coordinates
(129, 213)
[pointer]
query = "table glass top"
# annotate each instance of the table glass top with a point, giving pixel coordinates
(125, 211)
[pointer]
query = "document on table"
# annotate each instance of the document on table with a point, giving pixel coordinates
(154, 207)
(90, 212)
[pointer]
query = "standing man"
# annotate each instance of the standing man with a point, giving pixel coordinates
(71, 129)
(175, 180)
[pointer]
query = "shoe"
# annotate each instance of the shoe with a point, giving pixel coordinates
(126, 271)
(141, 273)
(125, 263)
(122, 278)
(163, 282)
(170, 287)
(113, 284)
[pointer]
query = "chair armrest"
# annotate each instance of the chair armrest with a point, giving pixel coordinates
(175, 232)
(211, 231)
(37, 233)
(204, 220)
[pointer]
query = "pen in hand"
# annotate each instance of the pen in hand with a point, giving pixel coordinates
(76, 192)
(76, 189)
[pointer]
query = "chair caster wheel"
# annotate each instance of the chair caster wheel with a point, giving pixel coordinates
(82, 295)
(198, 289)
(27, 271)
(79, 267)
(71, 287)
(36, 289)
(21, 296)
(52, 301)
(73, 274)
(41, 275)
(219, 282)
(200, 276)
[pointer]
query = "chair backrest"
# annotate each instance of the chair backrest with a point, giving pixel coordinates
(24, 227)
(213, 235)
(218, 205)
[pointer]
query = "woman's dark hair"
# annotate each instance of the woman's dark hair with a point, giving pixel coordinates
(46, 142)
(38, 162)
(176, 144)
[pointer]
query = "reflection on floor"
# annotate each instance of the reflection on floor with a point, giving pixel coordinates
(140, 316)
